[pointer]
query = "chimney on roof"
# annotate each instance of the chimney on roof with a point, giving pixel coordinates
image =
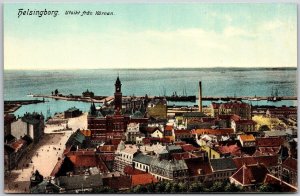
(200, 96)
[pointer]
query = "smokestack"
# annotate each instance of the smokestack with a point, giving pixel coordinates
(200, 96)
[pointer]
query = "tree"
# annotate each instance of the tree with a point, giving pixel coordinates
(196, 187)
(168, 187)
(140, 189)
(56, 92)
(231, 188)
(264, 128)
(217, 187)
(160, 187)
(175, 188)
(183, 187)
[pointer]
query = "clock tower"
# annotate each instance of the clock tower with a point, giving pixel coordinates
(118, 96)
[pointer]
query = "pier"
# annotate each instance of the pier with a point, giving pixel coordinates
(12, 106)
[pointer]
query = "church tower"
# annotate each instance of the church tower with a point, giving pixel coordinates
(118, 96)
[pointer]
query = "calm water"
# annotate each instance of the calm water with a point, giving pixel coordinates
(215, 81)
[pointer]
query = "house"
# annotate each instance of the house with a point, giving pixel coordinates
(289, 171)
(247, 140)
(249, 176)
(222, 168)
(281, 185)
(8, 119)
(14, 151)
(124, 156)
(72, 113)
(142, 162)
(216, 132)
(168, 169)
(79, 183)
(76, 139)
(270, 162)
(242, 125)
(157, 108)
(31, 124)
(193, 120)
(88, 94)
(199, 169)
(239, 108)
(157, 133)
(132, 132)
(182, 134)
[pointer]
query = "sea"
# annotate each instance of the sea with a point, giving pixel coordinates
(18, 84)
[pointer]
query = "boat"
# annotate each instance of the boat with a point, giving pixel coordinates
(254, 99)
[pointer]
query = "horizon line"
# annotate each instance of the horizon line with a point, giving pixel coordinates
(159, 68)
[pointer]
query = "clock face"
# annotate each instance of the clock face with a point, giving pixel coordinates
(118, 89)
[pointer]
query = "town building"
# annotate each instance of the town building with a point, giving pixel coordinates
(72, 113)
(31, 125)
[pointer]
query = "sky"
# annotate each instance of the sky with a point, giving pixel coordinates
(151, 36)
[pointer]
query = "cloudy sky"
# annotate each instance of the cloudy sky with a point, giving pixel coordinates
(151, 36)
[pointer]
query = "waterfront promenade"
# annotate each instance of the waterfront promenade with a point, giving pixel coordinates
(43, 156)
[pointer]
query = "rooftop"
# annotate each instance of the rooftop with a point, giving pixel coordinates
(222, 164)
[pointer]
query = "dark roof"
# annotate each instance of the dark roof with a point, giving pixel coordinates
(117, 182)
(141, 158)
(45, 185)
(250, 174)
(194, 114)
(284, 187)
(290, 163)
(269, 142)
(198, 166)
(73, 109)
(79, 181)
(33, 118)
(132, 171)
(76, 137)
(8, 138)
(173, 148)
(222, 164)
(268, 161)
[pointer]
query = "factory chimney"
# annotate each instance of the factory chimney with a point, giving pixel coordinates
(200, 96)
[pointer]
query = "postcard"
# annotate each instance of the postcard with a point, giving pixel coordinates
(150, 98)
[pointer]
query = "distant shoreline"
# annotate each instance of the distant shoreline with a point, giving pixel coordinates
(168, 69)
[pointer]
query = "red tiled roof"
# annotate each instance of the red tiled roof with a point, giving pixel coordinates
(117, 182)
(290, 163)
(18, 144)
(188, 148)
(178, 132)
(247, 138)
(107, 148)
(269, 142)
(84, 160)
(168, 128)
(115, 141)
(235, 117)
(180, 156)
(107, 156)
(208, 119)
(225, 116)
(285, 187)
(215, 105)
(196, 165)
(221, 131)
(268, 150)
(179, 143)
(230, 105)
(250, 174)
(130, 171)
(230, 149)
(246, 122)
(142, 179)
(268, 161)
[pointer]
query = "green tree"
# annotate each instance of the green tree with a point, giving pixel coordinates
(140, 189)
(160, 187)
(175, 187)
(217, 187)
(183, 187)
(168, 187)
(196, 187)
(231, 188)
